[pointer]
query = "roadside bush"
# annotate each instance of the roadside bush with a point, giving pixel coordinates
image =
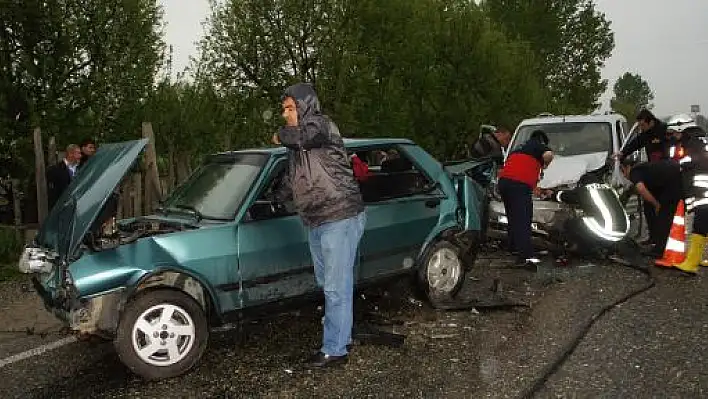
(10, 246)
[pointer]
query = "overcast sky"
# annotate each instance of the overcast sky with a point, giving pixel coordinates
(666, 42)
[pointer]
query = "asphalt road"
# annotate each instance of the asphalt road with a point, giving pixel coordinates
(651, 346)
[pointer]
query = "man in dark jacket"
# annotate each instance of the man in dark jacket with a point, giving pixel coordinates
(489, 143)
(517, 180)
(652, 138)
(60, 175)
(328, 200)
(88, 149)
(659, 185)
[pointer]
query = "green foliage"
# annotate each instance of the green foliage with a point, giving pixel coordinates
(572, 41)
(432, 71)
(631, 93)
(75, 69)
(10, 246)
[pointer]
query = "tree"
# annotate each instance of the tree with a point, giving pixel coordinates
(377, 72)
(572, 41)
(631, 93)
(75, 69)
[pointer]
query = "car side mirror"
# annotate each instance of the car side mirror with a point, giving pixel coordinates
(267, 209)
(266, 205)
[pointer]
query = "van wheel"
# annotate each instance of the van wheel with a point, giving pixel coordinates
(442, 273)
(162, 334)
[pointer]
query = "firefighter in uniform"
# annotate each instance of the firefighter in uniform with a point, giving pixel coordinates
(517, 181)
(689, 142)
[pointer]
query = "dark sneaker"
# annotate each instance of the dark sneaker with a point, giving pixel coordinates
(321, 360)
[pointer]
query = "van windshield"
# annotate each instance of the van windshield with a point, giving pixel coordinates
(570, 138)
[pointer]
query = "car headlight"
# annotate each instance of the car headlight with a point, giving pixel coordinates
(37, 260)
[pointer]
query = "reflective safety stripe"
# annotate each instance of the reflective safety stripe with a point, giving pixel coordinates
(595, 228)
(679, 220)
(672, 151)
(700, 177)
(689, 200)
(700, 202)
(685, 159)
(701, 184)
(675, 245)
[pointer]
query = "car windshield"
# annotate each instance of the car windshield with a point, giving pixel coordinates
(570, 138)
(217, 188)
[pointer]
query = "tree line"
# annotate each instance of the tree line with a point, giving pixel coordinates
(429, 70)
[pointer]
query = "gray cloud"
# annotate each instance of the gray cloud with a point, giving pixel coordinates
(667, 43)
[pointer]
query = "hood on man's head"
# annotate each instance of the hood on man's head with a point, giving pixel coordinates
(305, 97)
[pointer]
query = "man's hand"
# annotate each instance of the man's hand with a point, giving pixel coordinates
(275, 139)
(657, 207)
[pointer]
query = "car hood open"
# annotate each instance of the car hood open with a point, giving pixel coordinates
(568, 170)
(81, 203)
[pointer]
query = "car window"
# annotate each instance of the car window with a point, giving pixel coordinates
(217, 188)
(391, 174)
(571, 138)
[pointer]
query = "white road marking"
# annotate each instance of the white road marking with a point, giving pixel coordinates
(36, 351)
(225, 327)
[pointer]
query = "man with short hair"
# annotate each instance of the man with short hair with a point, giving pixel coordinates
(490, 143)
(328, 199)
(652, 138)
(88, 149)
(60, 175)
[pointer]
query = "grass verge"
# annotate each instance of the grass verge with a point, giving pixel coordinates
(10, 250)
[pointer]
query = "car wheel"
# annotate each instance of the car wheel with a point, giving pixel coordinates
(161, 334)
(442, 273)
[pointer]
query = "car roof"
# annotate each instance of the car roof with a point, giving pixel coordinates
(348, 143)
(610, 118)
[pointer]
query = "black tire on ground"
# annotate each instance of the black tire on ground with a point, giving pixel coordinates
(134, 309)
(441, 273)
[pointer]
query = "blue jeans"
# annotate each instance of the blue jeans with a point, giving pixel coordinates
(334, 249)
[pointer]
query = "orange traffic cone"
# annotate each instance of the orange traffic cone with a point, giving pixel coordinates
(675, 251)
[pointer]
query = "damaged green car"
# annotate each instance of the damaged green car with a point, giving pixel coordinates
(221, 246)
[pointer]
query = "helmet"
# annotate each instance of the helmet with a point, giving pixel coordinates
(680, 122)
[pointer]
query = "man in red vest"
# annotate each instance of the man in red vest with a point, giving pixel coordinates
(517, 181)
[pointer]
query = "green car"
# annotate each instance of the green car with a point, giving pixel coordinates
(220, 246)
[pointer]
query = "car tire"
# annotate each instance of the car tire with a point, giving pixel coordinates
(161, 334)
(441, 273)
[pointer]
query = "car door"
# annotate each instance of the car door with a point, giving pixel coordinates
(274, 257)
(397, 225)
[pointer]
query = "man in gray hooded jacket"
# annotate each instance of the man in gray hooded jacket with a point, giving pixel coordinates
(328, 200)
